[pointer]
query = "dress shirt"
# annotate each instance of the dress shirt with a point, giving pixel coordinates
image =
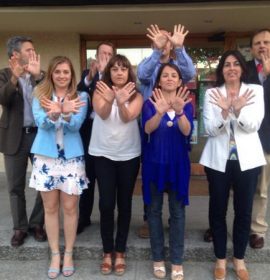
(27, 89)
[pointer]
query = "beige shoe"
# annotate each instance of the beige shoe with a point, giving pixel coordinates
(242, 274)
(177, 275)
(240, 269)
(220, 269)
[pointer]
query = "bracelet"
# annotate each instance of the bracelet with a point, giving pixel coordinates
(182, 114)
(66, 115)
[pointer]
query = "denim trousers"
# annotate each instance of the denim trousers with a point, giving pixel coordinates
(243, 184)
(177, 226)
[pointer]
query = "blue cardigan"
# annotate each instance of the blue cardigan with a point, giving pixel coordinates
(45, 141)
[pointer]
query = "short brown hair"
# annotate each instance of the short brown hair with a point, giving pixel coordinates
(256, 33)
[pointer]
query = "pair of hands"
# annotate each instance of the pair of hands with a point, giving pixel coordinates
(160, 38)
(18, 68)
(177, 102)
(56, 108)
(231, 102)
(97, 66)
(121, 95)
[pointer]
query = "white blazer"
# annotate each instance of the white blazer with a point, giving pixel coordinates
(216, 151)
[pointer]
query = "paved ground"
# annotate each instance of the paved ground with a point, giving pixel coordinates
(30, 261)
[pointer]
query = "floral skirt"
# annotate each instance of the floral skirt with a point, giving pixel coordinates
(67, 175)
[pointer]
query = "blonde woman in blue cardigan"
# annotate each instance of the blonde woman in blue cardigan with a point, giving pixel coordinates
(58, 164)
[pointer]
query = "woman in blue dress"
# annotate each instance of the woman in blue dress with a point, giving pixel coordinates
(58, 163)
(167, 121)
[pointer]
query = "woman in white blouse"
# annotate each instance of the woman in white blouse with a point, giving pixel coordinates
(116, 147)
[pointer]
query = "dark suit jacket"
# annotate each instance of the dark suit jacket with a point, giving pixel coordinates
(86, 127)
(264, 131)
(12, 115)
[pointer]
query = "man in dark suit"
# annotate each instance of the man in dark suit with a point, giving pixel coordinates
(105, 50)
(17, 132)
(259, 73)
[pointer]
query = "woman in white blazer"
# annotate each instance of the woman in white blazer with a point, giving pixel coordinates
(232, 156)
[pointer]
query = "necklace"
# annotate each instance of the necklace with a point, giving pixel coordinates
(169, 123)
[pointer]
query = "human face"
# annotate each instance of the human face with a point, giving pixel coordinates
(232, 70)
(119, 75)
(261, 45)
(27, 49)
(169, 80)
(104, 52)
(61, 76)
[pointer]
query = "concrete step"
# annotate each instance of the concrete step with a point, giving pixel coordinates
(88, 246)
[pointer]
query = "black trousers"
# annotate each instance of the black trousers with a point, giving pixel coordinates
(87, 197)
(16, 168)
(243, 184)
(116, 181)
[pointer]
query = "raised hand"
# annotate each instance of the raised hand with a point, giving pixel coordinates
(243, 100)
(93, 69)
(102, 62)
(16, 68)
(180, 100)
(122, 95)
(179, 35)
(266, 63)
(33, 66)
(158, 38)
(72, 105)
(105, 92)
(160, 103)
(221, 101)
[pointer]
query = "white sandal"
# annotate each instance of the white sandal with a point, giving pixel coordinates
(177, 275)
(159, 271)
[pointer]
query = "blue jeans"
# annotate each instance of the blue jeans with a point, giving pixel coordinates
(177, 226)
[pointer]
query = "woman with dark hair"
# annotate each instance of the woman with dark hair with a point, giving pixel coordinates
(58, 163)
(232, 156)
(167, 122)
(115, 145)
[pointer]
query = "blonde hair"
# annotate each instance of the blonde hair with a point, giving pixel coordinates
(46, 87)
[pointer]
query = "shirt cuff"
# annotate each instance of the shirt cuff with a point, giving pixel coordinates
(86, 82)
